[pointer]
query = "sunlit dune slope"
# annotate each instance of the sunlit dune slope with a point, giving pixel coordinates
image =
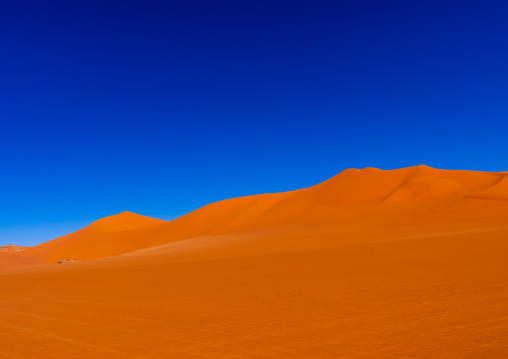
(103, 238)
(353, 195)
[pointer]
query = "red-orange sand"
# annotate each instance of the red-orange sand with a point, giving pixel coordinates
(409, 263)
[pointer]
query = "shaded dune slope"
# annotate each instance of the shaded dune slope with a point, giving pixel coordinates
(369, 195)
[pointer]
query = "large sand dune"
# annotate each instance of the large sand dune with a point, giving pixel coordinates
(408, 263)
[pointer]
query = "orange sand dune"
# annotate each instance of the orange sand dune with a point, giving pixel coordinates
(352, 194)
(408, 263)
(106, 237)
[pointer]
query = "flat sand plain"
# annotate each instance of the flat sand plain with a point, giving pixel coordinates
(409, 263)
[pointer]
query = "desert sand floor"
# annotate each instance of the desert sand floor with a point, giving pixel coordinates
(422, 276)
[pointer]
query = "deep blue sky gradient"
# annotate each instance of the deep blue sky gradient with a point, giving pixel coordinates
(160, 107)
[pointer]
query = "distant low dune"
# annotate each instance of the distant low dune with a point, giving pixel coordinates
(12, 248)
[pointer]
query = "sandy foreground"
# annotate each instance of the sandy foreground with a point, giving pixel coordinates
(409, 263)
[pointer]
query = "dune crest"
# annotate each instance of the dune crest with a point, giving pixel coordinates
(125, 221)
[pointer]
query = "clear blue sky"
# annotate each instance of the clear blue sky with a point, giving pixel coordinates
(160, 107)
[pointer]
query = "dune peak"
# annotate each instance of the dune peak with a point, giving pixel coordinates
(124, 221)
(409, 185)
